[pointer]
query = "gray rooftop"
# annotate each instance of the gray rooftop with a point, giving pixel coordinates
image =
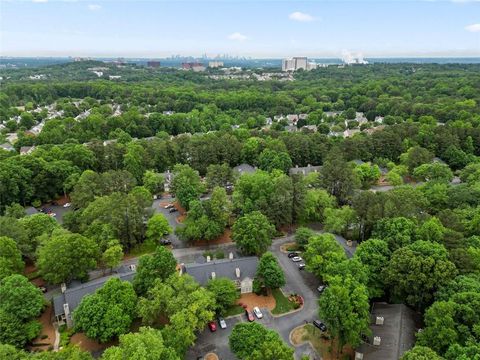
(223, 269)
(74, 295)
(244, 168)
(305, 170)
(7, 147)
(397, 332)
(30, 210)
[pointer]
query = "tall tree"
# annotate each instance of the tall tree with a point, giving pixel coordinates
(108, 312)
(420, 353)
(186, 184)
(157, 227)
(416, 271)
(160, 265)
(344, 307)
(20, 302)
(35, 226)
(269, 273)
(154, 182)
(375, 255)
(146, 344)
(67, 256)
(225, 293)
(255, 341)
(253, 233)
(338, 177)
(10, 258)
(321, 251)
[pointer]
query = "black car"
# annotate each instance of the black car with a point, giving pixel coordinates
(292, 254)
(165, 242)
(172, 210)
(320, 325)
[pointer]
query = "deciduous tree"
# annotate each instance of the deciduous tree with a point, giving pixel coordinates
(225, 293)
(253, 233)
(160, 265)
(108, 312)
(67, 256)
(269, 273)
(345, 309)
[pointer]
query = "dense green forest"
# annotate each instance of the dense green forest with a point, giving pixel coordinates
(107, 144)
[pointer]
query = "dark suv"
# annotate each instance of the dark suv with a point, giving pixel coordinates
(320, 325)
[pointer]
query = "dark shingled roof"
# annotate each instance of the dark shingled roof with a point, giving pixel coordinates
(223, 268)
(73, 296)
(31, 211)
(397, 332)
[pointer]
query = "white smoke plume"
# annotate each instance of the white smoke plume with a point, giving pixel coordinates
(351, 58)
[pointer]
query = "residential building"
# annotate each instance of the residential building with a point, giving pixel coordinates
(215, 64)
(350, 132)
(195, 66)
(65, 304)
(244, 169)
(291, 128)
(240, 270)
(370, 131)
(292, 119)
(12, 137)
(310, 128)
(26, 150)
(168, 177)
(30, 210)
(7, 147)
(304, 170)
(332, 113)
(393, 332)
(297, 63)
(153, 64)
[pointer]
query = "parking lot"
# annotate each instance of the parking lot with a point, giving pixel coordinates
(297, 281)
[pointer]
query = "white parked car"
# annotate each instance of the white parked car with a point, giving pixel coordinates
(168, 206)
(257, 312)
(67, 205)
(296, 259)
(222, 323)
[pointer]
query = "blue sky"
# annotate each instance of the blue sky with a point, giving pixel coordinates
(265, 28)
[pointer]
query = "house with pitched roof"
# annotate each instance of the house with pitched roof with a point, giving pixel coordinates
(65, 304)
(393, 332)
(240, 270)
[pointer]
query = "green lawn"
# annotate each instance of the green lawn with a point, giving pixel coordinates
(234, 310)
(283, 305)
(147, 247)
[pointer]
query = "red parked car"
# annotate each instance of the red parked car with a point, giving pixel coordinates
(249, 316)
(212, 326)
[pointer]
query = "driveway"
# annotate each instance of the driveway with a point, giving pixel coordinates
(172, 220)
(297, 281)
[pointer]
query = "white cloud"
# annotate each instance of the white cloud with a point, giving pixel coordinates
(299, 16)
(237, 37)
(464, 1)
(473, 28)
(40, 1)
(94, 7)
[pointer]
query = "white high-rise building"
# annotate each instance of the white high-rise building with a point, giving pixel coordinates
(297, 63)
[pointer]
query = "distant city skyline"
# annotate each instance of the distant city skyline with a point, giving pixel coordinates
(256, 29)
